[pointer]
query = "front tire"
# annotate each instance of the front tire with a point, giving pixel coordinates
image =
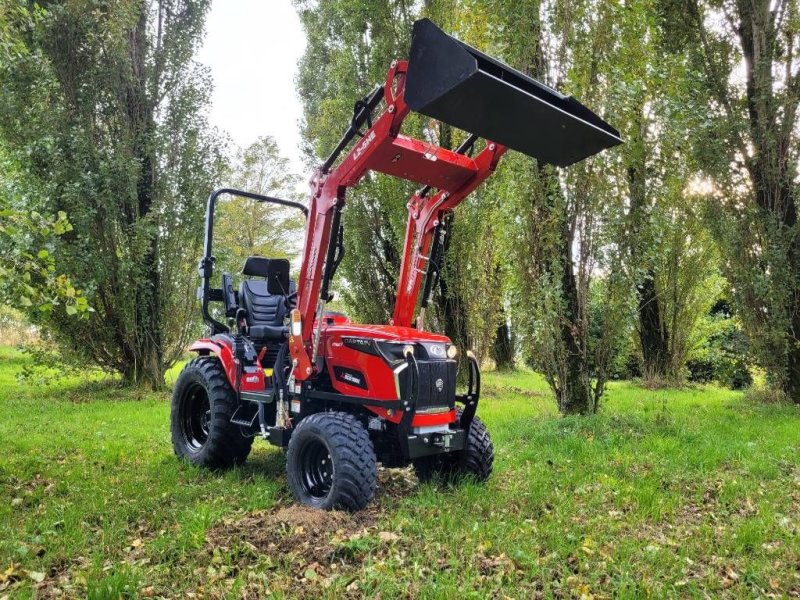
(202, 406)
(331, 463)
(474, 461)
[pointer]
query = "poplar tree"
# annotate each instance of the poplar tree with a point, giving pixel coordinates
(103, 116)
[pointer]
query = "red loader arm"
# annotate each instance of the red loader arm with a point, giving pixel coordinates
(447, 80)
(383, 149)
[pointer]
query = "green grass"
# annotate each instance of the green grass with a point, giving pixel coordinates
(687, 493)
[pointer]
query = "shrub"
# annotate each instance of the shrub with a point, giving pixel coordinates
(723, 355)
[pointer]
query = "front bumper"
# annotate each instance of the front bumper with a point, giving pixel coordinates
(438, 442)
(447, 440)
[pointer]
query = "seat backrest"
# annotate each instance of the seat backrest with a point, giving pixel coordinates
(261, 307)
(274, 270)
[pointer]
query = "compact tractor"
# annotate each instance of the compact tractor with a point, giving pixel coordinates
(340, 396)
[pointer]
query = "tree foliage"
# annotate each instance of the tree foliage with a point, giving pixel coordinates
(244, 227)
(350, 44)
(29, 278)
(106, 160)
(558, 257)
(669, 254)
(102, 114)
(560, 224)
(745, 53)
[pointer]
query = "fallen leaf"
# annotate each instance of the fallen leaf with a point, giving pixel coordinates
(388, 536)
(9, 574)
(136, 543)
(774, 584)
(37, 576)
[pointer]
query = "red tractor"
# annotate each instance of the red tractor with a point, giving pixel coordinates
(340, 396)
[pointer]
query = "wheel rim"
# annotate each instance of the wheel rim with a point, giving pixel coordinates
(316, 469)
(196, 417)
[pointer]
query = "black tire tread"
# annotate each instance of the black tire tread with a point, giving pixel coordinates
(354, 461)
(474, 461)
(226, 446)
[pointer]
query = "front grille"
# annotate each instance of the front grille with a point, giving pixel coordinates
(430, 396)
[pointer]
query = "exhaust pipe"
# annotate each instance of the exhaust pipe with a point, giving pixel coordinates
(452, 82)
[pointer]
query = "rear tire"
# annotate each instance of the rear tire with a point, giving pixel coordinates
(474, 461)
(331, 462)
(202, 406)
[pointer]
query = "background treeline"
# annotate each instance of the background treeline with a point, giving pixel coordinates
(673, 256)
(106, 159)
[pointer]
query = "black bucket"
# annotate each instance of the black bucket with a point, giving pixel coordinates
(455, 83)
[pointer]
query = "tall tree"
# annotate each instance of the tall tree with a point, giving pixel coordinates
(748, 146)
(469, 300)
(350, 44)
(246, 228)
(104, 113)
(556, 236)
(669, 255)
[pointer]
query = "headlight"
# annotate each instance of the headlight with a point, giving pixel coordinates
(452, 351)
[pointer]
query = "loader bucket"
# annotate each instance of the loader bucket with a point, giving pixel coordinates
(455, 83)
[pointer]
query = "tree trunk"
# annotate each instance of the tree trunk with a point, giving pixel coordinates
(148, 368)
(451, 305)
(771, 167)
(653, 334)
(503, 346)
(656, 357)
(792, 387)
(574, 392)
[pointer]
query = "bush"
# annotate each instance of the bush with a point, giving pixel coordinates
(723, 355)
(627, 364)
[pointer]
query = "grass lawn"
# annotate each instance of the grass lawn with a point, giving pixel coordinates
(690, 493)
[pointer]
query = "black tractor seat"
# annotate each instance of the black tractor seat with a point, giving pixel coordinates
(264, 310)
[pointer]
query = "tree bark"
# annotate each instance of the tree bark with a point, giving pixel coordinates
(574, 392)
(656, 357)
(450, 304)
(653, 331)
(503, 346)
(148, 367)
(771, 168)
(572, 383)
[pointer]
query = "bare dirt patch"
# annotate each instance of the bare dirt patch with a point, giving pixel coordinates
(497, 390)
(309, 535)
(297, 530)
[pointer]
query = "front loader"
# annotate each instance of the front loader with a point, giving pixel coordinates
(341, 396)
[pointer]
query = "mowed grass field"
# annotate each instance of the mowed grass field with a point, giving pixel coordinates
(688, 493)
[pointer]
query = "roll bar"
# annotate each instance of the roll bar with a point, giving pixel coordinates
(205, 292)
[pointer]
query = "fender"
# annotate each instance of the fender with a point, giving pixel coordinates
(222, 351)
